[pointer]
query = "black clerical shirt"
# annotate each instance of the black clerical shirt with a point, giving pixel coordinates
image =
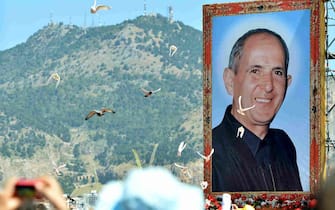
(243, 162)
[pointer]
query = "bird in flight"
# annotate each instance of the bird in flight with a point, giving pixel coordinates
(99, 113)
(206, 157)
(56, 77)
(173, 50)
(58, 169)
(148, 93)
(95, 8)
(241, 110)
(181, 147)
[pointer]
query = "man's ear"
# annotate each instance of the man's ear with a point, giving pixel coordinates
(289, 80)
(228, 78)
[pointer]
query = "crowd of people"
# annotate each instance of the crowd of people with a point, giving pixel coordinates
(153, 188)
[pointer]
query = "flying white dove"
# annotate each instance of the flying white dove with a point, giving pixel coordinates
(181, 147)
(184, 169)
(58, 169)
(95, 8)
(148, 93)
(173, 50)
(204, 184)
(208, 157)
(241, 110)
(56, 77)
(240, 132)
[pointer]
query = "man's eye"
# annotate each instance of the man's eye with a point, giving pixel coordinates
(279, 72)
(255, 71)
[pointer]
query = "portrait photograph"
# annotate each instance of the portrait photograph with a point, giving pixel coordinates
(259, 80)
(292, 117)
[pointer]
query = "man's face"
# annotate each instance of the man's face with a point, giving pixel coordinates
(260, 80)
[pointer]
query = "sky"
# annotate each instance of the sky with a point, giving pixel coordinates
(19, 19)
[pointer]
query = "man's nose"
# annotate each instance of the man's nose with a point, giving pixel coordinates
(267, 82)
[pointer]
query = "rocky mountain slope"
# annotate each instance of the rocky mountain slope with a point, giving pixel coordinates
(42, 126)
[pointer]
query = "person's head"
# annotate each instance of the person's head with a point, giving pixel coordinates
(257, 73)
(237, 49)
(152, 188)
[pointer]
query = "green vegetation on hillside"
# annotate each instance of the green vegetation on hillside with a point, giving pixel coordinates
(101, 67)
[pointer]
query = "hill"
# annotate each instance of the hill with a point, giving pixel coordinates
(43, 126)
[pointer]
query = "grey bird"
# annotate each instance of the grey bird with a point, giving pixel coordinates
(99, 113)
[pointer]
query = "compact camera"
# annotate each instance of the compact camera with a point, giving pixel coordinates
(25, 188)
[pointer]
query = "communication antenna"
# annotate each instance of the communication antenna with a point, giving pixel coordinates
(170, 14)
(85, 16)
(330, 60)
(92, 21)
(145, 8)
(51, 16)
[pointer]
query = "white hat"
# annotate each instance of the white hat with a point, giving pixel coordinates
(153, 188)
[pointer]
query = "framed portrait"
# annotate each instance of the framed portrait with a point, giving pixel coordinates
(234, 41)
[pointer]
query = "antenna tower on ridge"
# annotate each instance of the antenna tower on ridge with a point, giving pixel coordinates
(85, 20)
(170, 14)
(145, 8)
(50, 21)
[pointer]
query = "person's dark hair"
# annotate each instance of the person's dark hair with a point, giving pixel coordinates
(237, 49)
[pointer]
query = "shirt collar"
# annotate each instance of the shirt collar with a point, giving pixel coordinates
(243, 134)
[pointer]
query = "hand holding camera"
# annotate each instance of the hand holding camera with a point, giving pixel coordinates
(20, 192)
(25, 189)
